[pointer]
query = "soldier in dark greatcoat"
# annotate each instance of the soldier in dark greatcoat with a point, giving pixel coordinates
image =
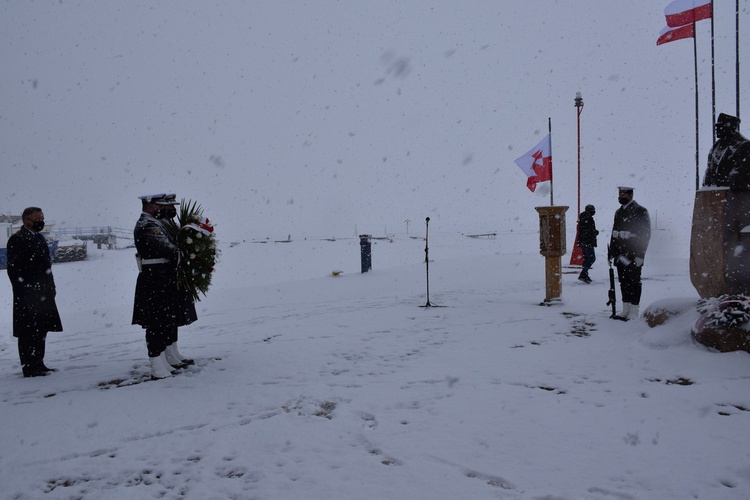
(587, 241)
(631, 233)
(160, 306)
(34, 309)
(729, 158)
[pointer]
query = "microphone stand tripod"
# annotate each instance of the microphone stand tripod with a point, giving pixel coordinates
(427, 261)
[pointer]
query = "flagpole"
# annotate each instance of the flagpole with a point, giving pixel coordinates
(737, 53)
(551, 170)
(697, 133)
(713, 76)
(579, 108)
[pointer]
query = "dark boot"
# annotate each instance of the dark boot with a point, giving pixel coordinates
(34, 372)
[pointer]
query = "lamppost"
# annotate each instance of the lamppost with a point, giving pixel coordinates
(576, 256)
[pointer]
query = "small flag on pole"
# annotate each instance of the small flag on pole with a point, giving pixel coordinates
(681, 17)
(682, 12)
(671, 34)
(537, 163)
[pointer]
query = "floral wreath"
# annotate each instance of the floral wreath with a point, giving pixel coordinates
(195, 239)
(726, 310)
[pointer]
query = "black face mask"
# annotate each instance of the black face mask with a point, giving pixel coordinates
(623, 200)
(165, 213)
(38, 225)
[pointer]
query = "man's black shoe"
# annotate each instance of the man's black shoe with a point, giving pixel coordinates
(34, 372)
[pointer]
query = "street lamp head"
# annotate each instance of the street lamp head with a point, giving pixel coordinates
(579, 100)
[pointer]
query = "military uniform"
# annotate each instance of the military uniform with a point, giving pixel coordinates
(160, 306)
(631, 233)
(729, 158)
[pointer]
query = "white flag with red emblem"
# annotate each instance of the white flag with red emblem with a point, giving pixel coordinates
(537, 163)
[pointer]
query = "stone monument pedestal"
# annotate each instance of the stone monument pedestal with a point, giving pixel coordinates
(720, 266)
(720, 242)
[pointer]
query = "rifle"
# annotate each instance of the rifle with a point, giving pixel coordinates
(612, 296)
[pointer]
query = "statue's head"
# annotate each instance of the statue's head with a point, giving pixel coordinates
(726, 126)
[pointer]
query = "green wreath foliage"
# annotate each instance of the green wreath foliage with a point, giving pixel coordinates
(197, 245)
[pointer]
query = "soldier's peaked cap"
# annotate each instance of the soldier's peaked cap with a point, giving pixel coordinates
(728, 120)
(160, 199)
(625, 189)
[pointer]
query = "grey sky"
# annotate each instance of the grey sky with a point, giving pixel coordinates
(319, 118)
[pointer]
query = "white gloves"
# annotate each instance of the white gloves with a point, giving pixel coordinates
(626, 262)
(625, 235)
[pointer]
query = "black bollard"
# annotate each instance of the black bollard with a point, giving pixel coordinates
(365, 252)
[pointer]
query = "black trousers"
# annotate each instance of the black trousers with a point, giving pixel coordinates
(158, 337)
(589, 257)
(31, 349)
(630, 283)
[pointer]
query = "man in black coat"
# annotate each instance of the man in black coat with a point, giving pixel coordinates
(631, 233)
(160, 306)
(587, 240)
(34, 309)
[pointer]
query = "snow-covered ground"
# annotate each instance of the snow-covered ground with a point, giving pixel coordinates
(329, 117)
(310, 386)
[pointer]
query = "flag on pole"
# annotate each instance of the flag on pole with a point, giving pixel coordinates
(537, 163)
(682, 12)
(671, 34)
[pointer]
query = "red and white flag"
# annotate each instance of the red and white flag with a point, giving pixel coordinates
(537, 163)
(682, 12)
(202, 225)
(671, 34)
